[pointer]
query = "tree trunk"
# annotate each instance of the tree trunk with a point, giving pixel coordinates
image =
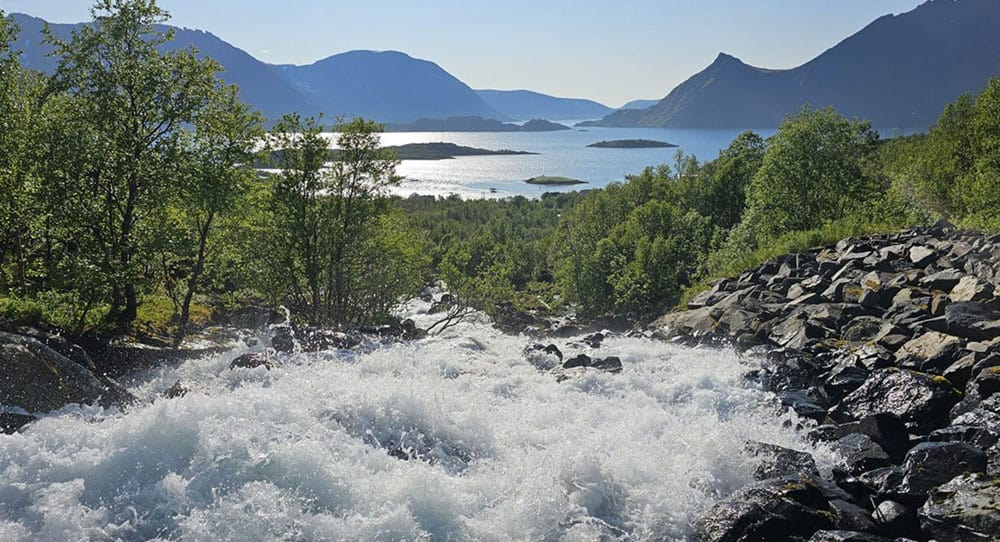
(192, 285)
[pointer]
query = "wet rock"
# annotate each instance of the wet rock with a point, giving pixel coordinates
(775, 461)
(919, 400)
(36, 378)
(594, 340)
(283, 339)
(930, 464)
(252, 360)
(776, 509)
(859, 453)
(12, 422)
(175, 391)
(965, 509)
(851, 517)
(544, 357)
(894, 518)
(979, 435)
(318, 339)
(846, 536)
(803, 404)
(611, 364)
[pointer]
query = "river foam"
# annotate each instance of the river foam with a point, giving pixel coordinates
(456, 437)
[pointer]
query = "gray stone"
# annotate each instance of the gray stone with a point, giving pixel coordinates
(921, 401)
(929, 347)
(973, 320)
(942, 280)
(930, 464)
(859, 453)
(846, 536)
(965, 509)
(776, 509)
(39, 379)
(971, 289)
(775, 461)
(920, 256)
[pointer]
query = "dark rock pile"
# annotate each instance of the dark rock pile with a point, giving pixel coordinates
(891, 344)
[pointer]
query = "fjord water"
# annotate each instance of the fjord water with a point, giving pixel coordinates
(561, 153)
(454, 437)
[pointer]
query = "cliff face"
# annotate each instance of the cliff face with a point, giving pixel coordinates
(899, 71)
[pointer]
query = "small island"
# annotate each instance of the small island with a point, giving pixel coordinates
(474, 124)
(552, 180)
(445, 151)
(631, 144)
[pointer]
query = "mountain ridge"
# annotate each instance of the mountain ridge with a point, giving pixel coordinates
(897, 71)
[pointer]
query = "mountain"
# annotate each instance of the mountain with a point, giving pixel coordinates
(473, 124)
(899, 71)
(258, 82)
(387, 86)
(639, 104)
(526, 104)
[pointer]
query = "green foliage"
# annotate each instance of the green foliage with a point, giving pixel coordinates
(812, 172)
(333, 254)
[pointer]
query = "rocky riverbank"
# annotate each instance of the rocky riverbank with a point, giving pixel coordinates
(890, 345)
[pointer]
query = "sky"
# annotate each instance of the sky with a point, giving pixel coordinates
(609, 51)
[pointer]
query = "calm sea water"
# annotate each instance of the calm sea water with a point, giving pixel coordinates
(563, 153)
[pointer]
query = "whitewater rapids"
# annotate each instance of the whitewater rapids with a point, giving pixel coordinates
(455, 437)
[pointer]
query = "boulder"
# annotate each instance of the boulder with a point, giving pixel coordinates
(971, 288)
(175, 391)
(859, 453)
(775, 461)
(544, 357)
(38, 379)
(921, 401)
(12, 422)
(920, 256)
(846, 536)
(318, 339)
(692, 323)
(775, 509)
(966, 509)
(894, 518)
(252, 360)
(930, 349)
(972, 320)
(930, 464)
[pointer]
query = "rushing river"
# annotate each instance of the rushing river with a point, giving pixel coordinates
(455, 437)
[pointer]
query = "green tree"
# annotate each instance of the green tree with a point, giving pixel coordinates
(813, 171)
(131, 102)
(982, 196)
(216, 162)
(325, 216)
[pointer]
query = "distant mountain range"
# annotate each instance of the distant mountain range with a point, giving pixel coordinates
(527, 104)
(899, 71)
(639, 104)
(386, 86)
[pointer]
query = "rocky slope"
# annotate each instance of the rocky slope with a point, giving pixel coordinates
(890, 344)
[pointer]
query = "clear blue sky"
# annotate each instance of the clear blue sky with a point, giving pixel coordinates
(610, 51)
